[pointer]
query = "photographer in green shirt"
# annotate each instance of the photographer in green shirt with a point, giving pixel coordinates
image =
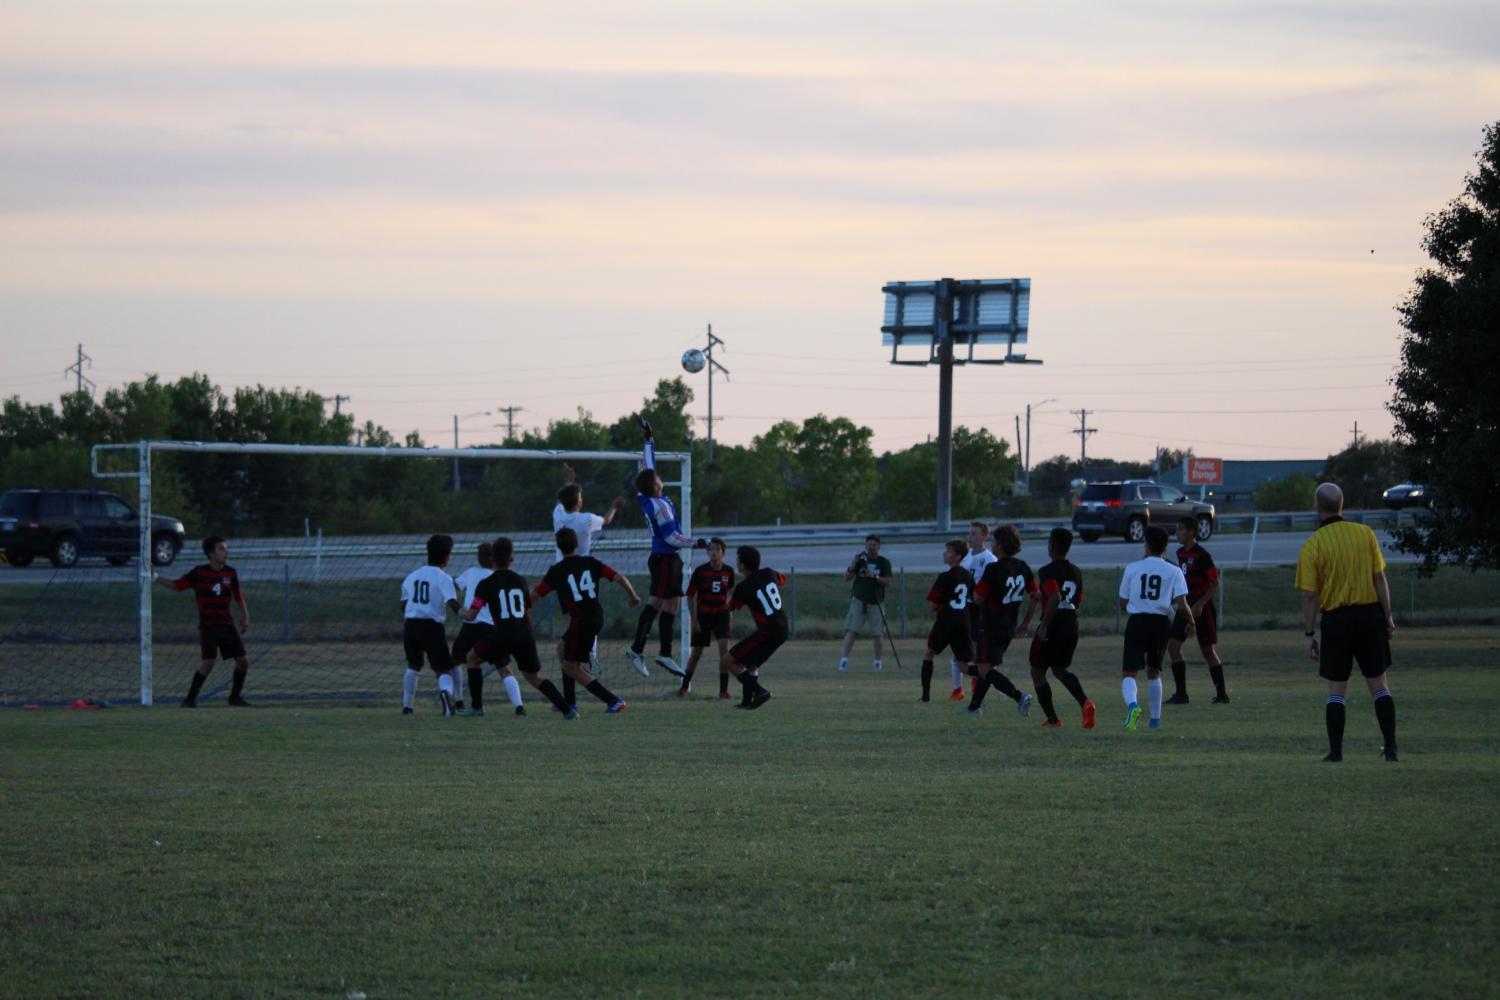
(871, 573)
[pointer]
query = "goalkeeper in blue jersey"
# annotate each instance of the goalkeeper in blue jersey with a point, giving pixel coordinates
(665, 563)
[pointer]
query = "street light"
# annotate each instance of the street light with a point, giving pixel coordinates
(456, 419)
(1029, 408)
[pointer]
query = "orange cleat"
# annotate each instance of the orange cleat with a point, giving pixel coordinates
(1088, 714)
(957, 695)
(1049, 724)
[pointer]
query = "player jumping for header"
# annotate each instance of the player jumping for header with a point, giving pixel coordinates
(664, 562)
(214, 585)
(576, 580)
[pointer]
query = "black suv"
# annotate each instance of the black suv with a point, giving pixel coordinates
(1127, 508)
(65, 525)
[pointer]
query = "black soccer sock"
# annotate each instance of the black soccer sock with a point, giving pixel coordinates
(1216, 672)
(1044, 695)
(926, 680)
(1074, 685)
(667, 626)
(550, 692)
(476, 686)
(723, 682)
(196, 685)
(1333, 716)
(981, 688)
(570, 690)
(688, 672)
(601, 692)
(1385, 714)
(747, 687)
(237, 683)
(1002, 683)
(1179, 677)
(643, 628)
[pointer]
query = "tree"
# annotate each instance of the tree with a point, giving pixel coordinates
(1294, 492)
(1446, 407)
(1364, 470)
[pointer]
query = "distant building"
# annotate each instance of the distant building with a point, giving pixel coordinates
(1241, 479)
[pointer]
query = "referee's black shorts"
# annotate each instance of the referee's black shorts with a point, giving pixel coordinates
(1145, 641)
(1353, 634)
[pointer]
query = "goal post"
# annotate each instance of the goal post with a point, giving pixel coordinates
(334, 553)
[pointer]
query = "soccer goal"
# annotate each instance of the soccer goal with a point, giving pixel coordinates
(321, 537)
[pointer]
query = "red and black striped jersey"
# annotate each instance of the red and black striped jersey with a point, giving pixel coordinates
(761, 593)
(1062, 578)
(212, 589)
(576, 580)
(952, 593)
(1003, 588)
(713, 587)
(1198, 566)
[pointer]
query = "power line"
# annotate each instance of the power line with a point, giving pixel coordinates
(76, 368)
(1083, 432)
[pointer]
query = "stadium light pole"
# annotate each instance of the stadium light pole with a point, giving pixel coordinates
(456, 419)
(941, 315)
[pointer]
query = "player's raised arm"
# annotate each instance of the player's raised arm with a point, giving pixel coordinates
(609, 573)
(615, 506)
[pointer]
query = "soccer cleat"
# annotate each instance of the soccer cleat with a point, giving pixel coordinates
(467, 712)
(238, 701)
(520, 710)
(190, 703)
(877, 665)
(670, 666)
(458, 706)
(1023, 707)
(843, 665)
(1088, 714)
(682, 692)
(924, 699)
(1051, 723)
(1154, 724)
(1220, 699)
(966, 710)
(571, 715)
(406, 711)
(1178, 699)
(957, 695)
(758, 699)
(617, 707)
(1334, 758)
(638, 661)
(1389, 753)
(1132, 717)
(723, 695)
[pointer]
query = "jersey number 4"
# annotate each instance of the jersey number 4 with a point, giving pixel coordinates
(583, 584)
(770, 599)
(1151, 587)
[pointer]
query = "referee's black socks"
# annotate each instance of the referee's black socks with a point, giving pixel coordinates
(1333, 717)
(926, 680)
(1385, 714)
(643, 628)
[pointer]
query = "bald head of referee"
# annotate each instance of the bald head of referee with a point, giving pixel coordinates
(1341, 573)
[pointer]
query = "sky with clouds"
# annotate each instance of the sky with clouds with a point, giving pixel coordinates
(441, 208)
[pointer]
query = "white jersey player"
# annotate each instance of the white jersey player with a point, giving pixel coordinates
(569, 513)
(426, 595)
(472, 632)
(1151, 590)
(979, 556)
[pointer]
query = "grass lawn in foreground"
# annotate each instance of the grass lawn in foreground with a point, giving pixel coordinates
(842, 841)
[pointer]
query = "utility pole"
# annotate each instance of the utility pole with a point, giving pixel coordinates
(1018, 442)
(1355, 442)
(76, 368)
(510, 420)
(708, 355)
(337, 404)
(1083, 432)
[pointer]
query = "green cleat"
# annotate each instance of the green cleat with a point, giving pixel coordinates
(1132, 716)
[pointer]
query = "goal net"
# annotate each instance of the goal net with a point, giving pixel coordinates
(321, 538)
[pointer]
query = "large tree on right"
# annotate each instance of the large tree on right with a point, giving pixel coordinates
(1447, 399)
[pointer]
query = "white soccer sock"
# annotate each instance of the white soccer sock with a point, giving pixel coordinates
(457, 673)
(958, 673)
(877, 664)
(513, 690)
(1128, 691)
(445, 684)
(1153, 691)
(409, 687)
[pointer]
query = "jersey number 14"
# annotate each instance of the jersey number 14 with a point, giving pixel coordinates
(583, 584)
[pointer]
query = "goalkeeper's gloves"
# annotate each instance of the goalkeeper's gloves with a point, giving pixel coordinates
(700, 543)
(645, 425)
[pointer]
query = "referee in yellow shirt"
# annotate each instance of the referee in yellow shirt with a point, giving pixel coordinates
(1341, 572)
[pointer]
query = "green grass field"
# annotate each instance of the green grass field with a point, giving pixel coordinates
(843, 841)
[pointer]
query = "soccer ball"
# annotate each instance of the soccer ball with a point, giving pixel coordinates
(693, 361)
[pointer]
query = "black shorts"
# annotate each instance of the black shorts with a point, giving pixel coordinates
(951, 633)
(994, 639)
(710, 625)
(1207, 631)
(220, 641)
(584, 626)
(425, 637)
(666, 575)
(1062, 640)
(1353, 634)
(757, 647)
(500, 647)
(468, 634)
(1145, 641)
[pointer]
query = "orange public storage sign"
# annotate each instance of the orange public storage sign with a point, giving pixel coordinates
(1205, 472)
